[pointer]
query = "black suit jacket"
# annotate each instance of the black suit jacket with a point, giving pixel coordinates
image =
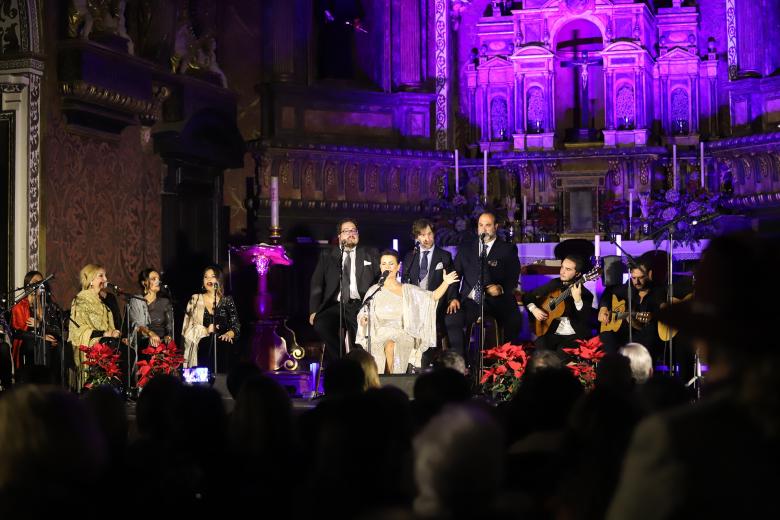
(502, 266)
(579, 319)
(411, 272)
(325, 280)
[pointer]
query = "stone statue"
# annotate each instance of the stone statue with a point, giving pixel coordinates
(91, 18)
(195, 55)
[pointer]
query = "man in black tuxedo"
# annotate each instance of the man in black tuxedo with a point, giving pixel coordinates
(502, 270)
(424, 266)
(358, 267)
(578, 307)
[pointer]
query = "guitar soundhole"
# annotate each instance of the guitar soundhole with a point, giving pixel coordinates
(552, 305)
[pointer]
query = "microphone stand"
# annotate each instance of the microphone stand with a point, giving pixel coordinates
(214, 335)
(415, 256)
(368, 301)
(482, 261)
(630, 289)
(341, 302)
(130, 369)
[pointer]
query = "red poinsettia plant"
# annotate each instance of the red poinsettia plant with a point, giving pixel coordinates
(502, 378)
(585, 358)
(102, 367)
(164, 359)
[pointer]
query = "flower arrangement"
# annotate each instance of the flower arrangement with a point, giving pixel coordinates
(614, 215)
(165, 359)
(102, 368)
(584, 359)
(691, 214)
(502, 378)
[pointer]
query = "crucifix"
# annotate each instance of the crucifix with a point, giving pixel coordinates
(582, 64)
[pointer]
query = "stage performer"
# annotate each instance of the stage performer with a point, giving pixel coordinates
(211, 320)
(151, 315)
(357, 267)
(400, 320)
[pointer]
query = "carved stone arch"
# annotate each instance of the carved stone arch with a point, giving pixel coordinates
(21, 70)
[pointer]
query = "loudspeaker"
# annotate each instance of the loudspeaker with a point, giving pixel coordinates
(404, 382)
(613, 270)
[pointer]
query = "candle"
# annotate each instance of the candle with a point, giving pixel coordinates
(630, 210)
(274, 201)
(457, 173)
(674, 166)
(619, 242)
(484, 176)
(524, 209)
(701, 164)
(597, 240)
(395, 244)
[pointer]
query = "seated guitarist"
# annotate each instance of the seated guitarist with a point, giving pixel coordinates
(646, 299)
(578, 306)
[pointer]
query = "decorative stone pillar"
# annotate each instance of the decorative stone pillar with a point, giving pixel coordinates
(609, 104)
(694, 123)
(639, 98)
(441, 24)
(408, 54)
(749, 38)
(520, 104)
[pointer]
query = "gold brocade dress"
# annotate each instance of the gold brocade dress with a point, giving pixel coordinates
(88, 314)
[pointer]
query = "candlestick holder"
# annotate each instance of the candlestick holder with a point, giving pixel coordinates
(274, 234)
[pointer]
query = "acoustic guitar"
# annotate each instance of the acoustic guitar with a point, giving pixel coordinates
(665, 332)
(619, 313)
(553, 304)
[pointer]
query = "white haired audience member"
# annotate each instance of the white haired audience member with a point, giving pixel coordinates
(641, 362)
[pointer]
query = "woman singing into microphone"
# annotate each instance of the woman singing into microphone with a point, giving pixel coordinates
(209, 313)
(91, 320)
(151, 315)
(26, 318)
(401, 319)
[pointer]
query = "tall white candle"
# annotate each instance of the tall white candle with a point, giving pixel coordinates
(630, 210)
(525, 215)
(484, 176)
(457, 172)
(274, 201)
(597, 243)
(701, 164)
(674, 166)
(619, 242)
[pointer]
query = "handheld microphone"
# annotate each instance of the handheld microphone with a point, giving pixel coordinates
(383, 278)
(114, 287)
(483, 236)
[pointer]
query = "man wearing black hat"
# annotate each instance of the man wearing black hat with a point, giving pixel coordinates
(719, 457)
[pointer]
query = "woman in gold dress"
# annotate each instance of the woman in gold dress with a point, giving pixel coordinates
(400, 321)
(91, 320)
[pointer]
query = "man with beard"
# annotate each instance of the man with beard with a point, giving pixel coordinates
(502, 269)
(646, 300)
(574, 324)
(424, 266)
(357, 267)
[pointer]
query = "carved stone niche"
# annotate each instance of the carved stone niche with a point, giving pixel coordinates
(579, 194)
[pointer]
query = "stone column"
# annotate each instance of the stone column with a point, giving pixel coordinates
(520, 104)
(639, 99)
(283, 42)
(550, 98)
(694, 100)
(749, 36)
(609, 104)
(408, 68)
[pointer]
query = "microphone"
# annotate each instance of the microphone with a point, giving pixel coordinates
(113, 287)
(383, 278)
(483, 236)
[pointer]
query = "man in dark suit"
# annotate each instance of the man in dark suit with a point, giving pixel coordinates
(502, 269)
(578, 307)
(357, 267)
(424, 266)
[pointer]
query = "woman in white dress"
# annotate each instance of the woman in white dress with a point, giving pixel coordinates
(399, 323)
